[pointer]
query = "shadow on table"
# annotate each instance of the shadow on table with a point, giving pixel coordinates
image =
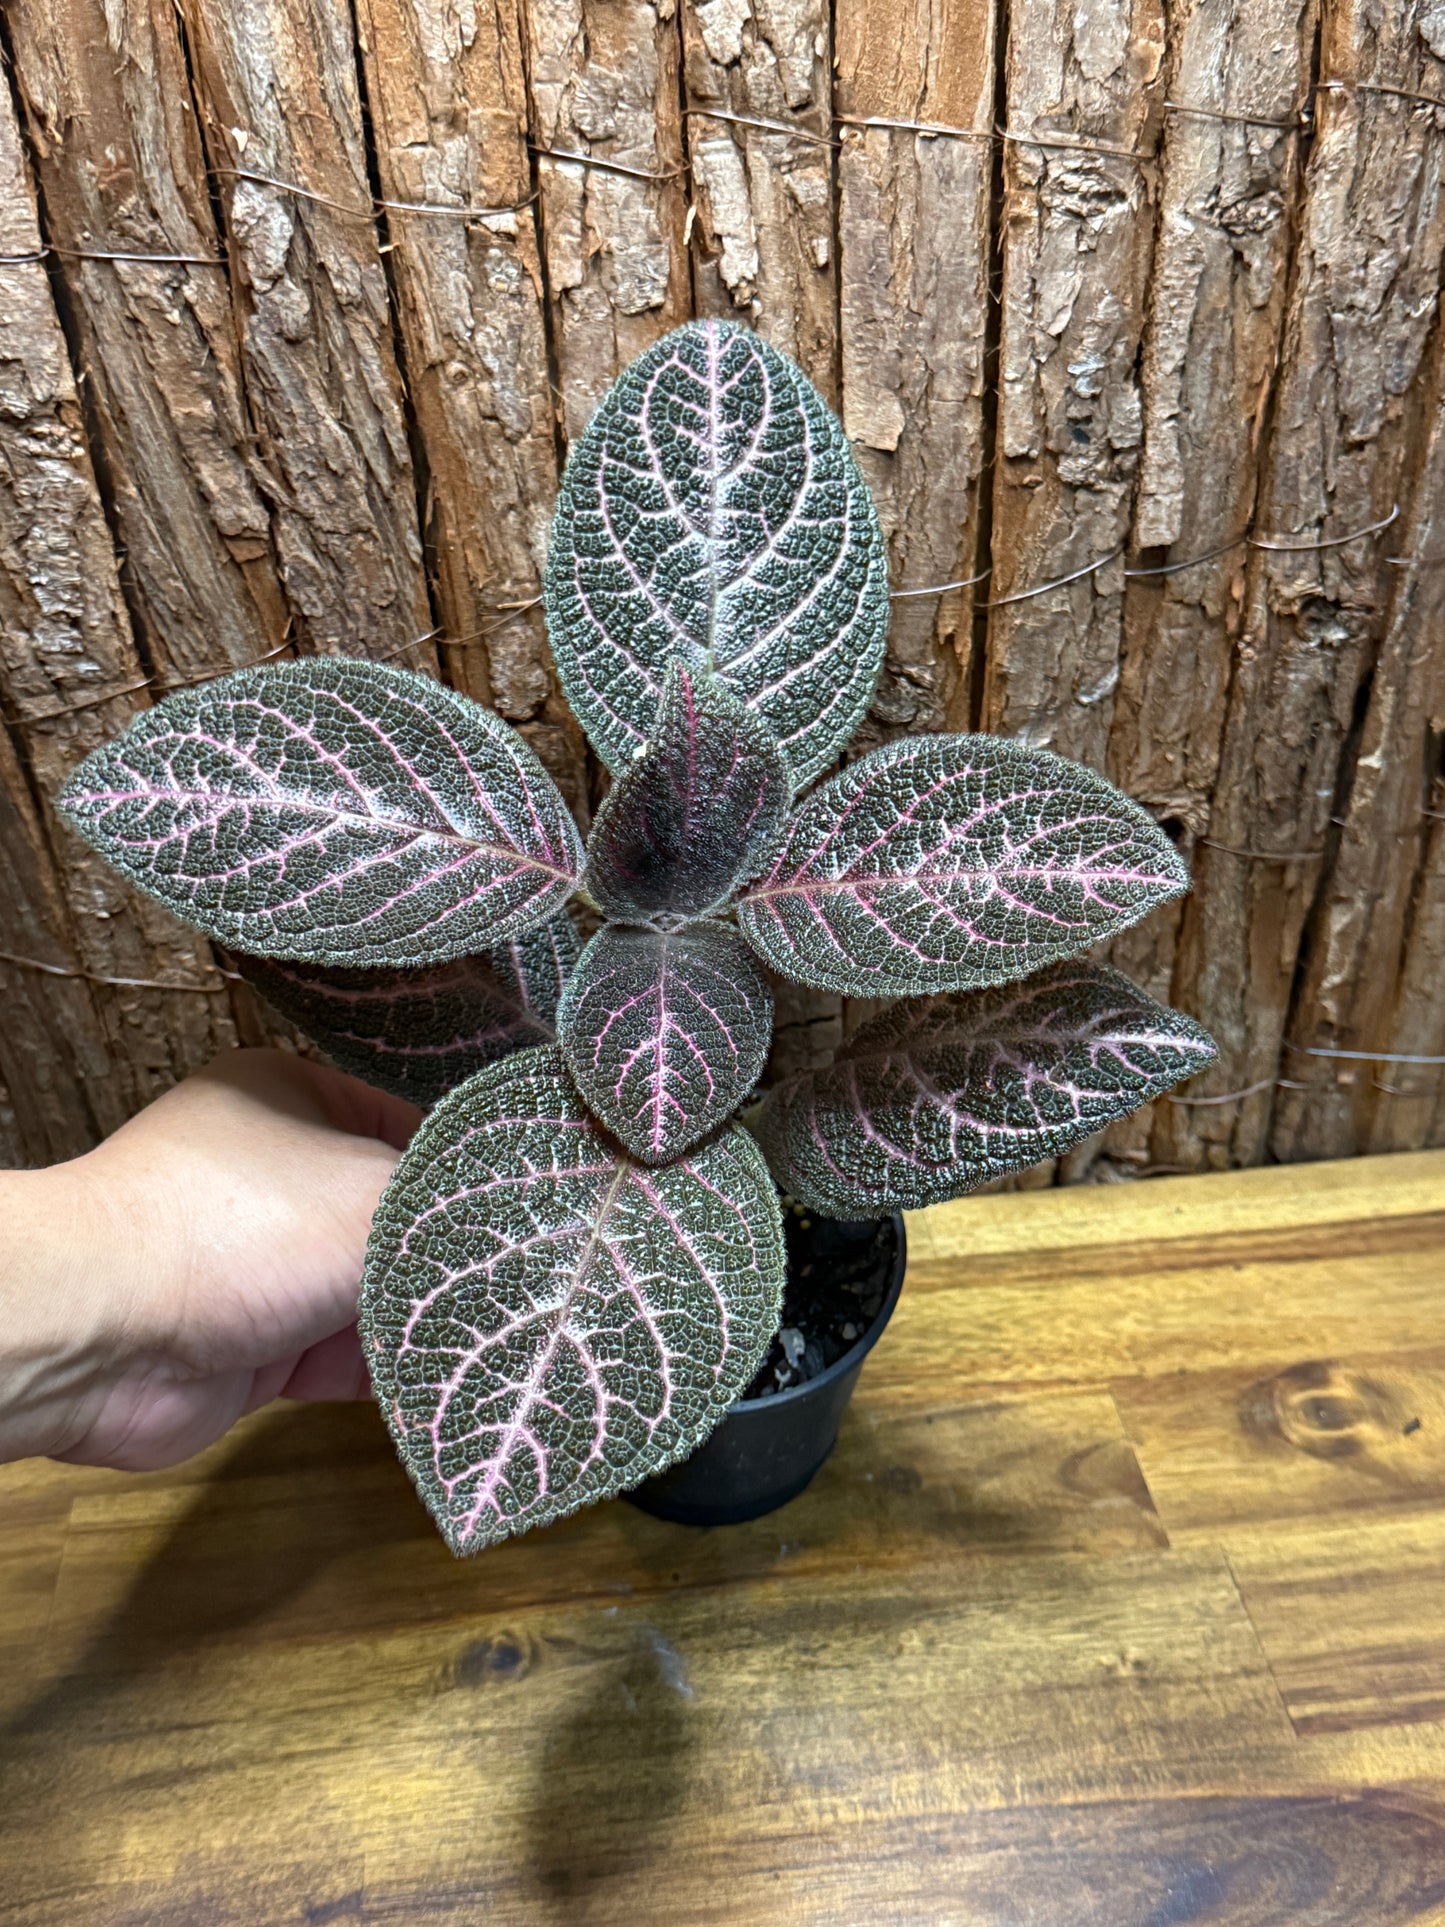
(611, 1775)
(308, 1526)
(236, 1554)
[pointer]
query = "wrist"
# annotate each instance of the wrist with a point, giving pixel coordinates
(73, 1314)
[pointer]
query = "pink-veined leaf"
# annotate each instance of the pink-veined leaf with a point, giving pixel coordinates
(666, 1032)
(951, 862)
(934, 1098)
(333, 812)
(697, 812)
(547, 1321)
(419, 1033)
(712, 510)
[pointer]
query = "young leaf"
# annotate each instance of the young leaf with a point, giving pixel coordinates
(933, 1099)
(420, 1033)
(712, 511)
(666, 1032)
(548, 1322)
(332, 812)
(949, 862)
(697, 812)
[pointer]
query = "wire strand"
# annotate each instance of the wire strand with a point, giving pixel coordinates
(92, 977)
(1175, 568)
(1225, 1097)
(1377, 87)
(753, 120)
(608, 167)
(1027, 595)
(932, 129)
(1246, 120)
(1067, 145)
(1363, 1056)
(1263, 856)
(376, 203)
(940, 588)
(1279, 546)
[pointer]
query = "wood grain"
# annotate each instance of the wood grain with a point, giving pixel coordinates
(1323, 1438)
(1118, 1604)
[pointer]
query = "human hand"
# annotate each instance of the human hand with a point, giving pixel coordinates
(200, 1262)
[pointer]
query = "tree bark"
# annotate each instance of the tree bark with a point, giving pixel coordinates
(1372, 953)
(79, 1054)
(1364, 302)
(119, 159)
(604, 86)
(1077, 242)
(278, 90)
(448, 96)
(764, 195)
(1229, 192)
(914, 267)
(1165, 313)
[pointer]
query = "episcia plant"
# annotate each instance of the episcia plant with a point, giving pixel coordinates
(579, 1261)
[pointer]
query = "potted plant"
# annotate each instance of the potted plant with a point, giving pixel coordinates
(579, 1264)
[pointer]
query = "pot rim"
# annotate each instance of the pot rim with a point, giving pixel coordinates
(856, 1352)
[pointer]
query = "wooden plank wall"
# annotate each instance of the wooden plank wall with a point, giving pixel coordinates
(1157, 312)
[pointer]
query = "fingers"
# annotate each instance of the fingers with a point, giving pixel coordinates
(269, 1380)
(334, 1369)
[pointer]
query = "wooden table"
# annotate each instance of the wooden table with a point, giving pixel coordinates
(1121, 1602)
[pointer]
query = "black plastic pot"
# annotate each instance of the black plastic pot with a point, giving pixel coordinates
(768, 1449)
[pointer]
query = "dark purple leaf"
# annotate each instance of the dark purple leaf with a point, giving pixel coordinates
(696, 813)
(949, 862)
(420, 1033)
(548, 1322)
(332, 812)
(713, 513)
(666, 1032)
(935, 1098)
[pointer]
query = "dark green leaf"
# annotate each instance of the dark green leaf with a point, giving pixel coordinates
(697, 812)
(332, 812)
(936, 1097)
(420, 1033)
(548, 1322)
(712, 512)
(950, 862)
(666, 1032)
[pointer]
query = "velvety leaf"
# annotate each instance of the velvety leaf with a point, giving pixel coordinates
(934, 1098)
(949, 862)
(548, 1322)
(712, 511)
(420, 1033)
(666, 1032)
(333, 812)
(696, 813)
